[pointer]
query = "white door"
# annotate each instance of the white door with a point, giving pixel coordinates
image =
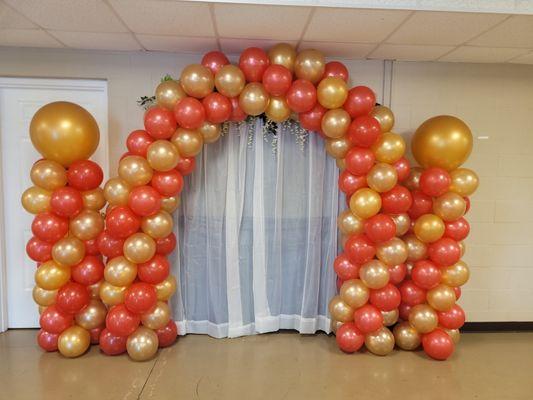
(20, 98)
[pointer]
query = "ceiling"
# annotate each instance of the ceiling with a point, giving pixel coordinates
(197, 27)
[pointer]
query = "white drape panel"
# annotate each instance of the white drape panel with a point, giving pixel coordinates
(257, 236)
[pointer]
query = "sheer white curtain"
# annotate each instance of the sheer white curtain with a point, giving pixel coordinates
(257, 236)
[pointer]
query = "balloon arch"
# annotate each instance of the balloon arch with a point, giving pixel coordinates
(402, 233)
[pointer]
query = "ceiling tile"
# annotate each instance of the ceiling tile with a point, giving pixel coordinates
(177, 44)
(236, 46)
(70, 15)
(517, 31)
(409, 52)
(99, 41)
(165, 17)
(260, 21)
(443, 28)
(349, 25)
(473, 54)
(27, 38)
(340, 50)
(524, 59)
(9, 18)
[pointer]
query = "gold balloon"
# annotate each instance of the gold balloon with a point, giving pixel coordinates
(413, 180)
(283, 54)
(48, 175)
(64, 132)
(341, 163)
(254, 99)
(68, 251)
(94, 290)
(365, 203)
(441, 298)
(392, 252)
(335, 325)
(139, 248)
(464, 181)
(429, 228)
(389, 148)
(384, 116)
(117, 192)
(335, 123)
(158, 225)
(36, 200)
(135, 170)
(168, 93)
(230, 81)
(44, 297)
(390, 317)
(443, 141)
(450, 206)
(406, 337)
(423, 318)
(162, 155)
(455, 275)
(157, 317)
(354, 293)
(166, 289)
(454, 334)
(188, 142)
(462, 246)
(380, 342)
(93, 199)
(338, 147)
(310, 65)
(382, 177)
(73, 341)
(142, 344)
(197, 80)
(374, 274)
(170, 204)
(332, 92)
(87, 225)
(112, 295)
(402, 222)
(416, 249)
(278, 110)
(349, 224)
(92, 316)
(120, 272)
(210, 132)
(340, 310)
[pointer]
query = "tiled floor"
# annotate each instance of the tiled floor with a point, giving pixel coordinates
(274, 366)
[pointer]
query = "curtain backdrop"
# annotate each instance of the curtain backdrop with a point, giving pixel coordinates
(257, 235)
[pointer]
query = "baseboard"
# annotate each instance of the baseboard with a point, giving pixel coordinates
(506, 326)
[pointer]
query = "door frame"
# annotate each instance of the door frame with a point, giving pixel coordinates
(79, 84)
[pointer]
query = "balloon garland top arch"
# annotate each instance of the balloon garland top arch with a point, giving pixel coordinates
(401, 232)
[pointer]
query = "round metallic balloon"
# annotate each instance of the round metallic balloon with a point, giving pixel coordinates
(170, 204)
(332, 92)
(390, 317)
(168, 93)
(92, 316)
(340, 310)
(365, 203)
(48, 175)
(164, 290)
(429, 228)
(423, 318)
(158, 225)
(310, 65)
(36, 200)
(87, 225)
(374, 274)
(117, 192)
(402, 222)
(450, 206)
(455, 275)
(162, 155)
(139, 248)
(73, 341)
(254, 99)
(464, 181)
(441, 298)
(112, 295)
(389, 148)
(94, 199)
(338, 147)
(68, 251)
(230, 81)
(44, 297)
(384, 116)
(382, 177)
(354, 293)
(380, 342)
(349, 223)
(119, 271)
(188, 142)
(283, 54)
(392, 252)
(416, 249)
(335, 123)
(157, 317)
(197, 80)
(210, 132)
(135, 170)
(142, 344)
(278, 110)
(406, 337)
(335, 325)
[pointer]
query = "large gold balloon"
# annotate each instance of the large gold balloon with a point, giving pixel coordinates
(166, 289)
(188, 142)
(170, 204)
(340, 310)
(382, 177)
(374, 274)
(87, 225)
(68, 251)
(389, 148)
(230, 81)
(158, 225)
(441, 298)
(406, 337)
(335, 123)
(443, 141)
(73, 341)
(380, 342)
(349, 224)
(162, 155)
(338, 147)
(139, 248)
(416, 249)
(402, 222)
(464, 181)
(283, 54)
(93, 199)
(392, 252)
(365, 203)
(278, 110)
(112, 295)
(390, 317)
(310, 65)
(44, 297)
(455, 275)
(254, 99)
(64, 132)
(142, 344)
(36, 200)
(135, 170)
(120, 272)
(354, 293)
(429, 228)
(384, 116)
(332, 92)
(413, 180)
(157, 317)
(168, 93)
(210, 132)
(48, 175)
(423, 318)
(450, 206)
(92, 316)
(117, 192)
(197, 80)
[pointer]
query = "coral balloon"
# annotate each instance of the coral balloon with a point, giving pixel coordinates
(155, 270)
(403, 168)
(214, 60)
(412, 294)
(138, 142)
(122, 222)
(253, 62)
(111, 344)
(109, 245)
(380, 228)
(364, 131)
(47, 341)
(85, 175)
(160, 122)
(425, 274)
(166, 245)
(168, 334)
(189, 113)
(454, 318)
(49, 227)
(120, 321)
(421, 204)
(344, 268)
(312, 119)
(336, 69)
(435, 181)
(359, 161)
(359, 249)
(438, 345)
(397, 273)
(168, 183)
(277, 79)
(368, 318)
(444, 252)
(349, 338)
(39, 250)
(360, 101)
(349, 183)
(217, 108)
(457, 230)
(54, 320)
(72, 298)
(387, 298)
(397, 200)
(89, 271)
(302, 96)
(144, 201)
